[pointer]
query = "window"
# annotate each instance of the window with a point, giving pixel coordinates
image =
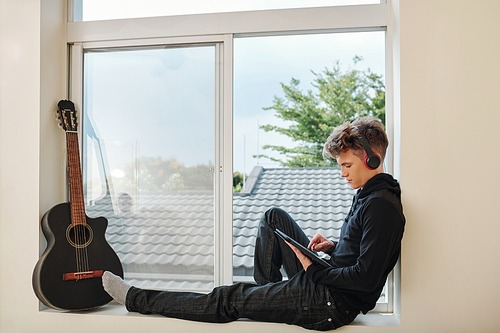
(91, 10)
(123, 74)
(148, 167)
(315, 196)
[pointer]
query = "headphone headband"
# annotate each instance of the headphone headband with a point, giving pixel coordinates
(372, 159)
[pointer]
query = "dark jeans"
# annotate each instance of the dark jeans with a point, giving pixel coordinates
(296, 301)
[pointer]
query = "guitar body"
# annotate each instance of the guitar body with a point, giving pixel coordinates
(60, 258)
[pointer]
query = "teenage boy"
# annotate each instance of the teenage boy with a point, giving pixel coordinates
(314, 297)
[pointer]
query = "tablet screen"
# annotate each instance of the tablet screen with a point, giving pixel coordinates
(310, 254)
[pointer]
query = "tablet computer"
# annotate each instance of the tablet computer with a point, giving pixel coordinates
(308, 253)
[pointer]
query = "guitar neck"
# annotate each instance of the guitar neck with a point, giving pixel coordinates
(75, 179)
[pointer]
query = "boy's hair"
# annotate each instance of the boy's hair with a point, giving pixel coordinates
(345, 137)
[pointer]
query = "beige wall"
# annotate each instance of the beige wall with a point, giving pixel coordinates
(450, 83)
(450, 74)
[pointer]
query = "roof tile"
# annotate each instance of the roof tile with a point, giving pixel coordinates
(171, 235)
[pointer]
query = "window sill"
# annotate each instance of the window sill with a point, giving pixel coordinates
(377, 319)
(362, 323)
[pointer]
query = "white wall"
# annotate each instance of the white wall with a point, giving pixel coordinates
(450, 83)
(449, 159)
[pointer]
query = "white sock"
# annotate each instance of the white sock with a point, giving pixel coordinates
(115, 287)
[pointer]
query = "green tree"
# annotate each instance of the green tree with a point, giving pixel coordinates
(237, 181)
(199, 177)
(338, 96)
(156, 174)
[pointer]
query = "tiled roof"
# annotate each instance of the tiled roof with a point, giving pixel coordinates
(318, 199)
(169, 242)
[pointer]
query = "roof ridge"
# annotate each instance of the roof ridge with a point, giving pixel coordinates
(251, 181)
(305, 168)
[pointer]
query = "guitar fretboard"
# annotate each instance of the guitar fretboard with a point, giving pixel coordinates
(75, 180)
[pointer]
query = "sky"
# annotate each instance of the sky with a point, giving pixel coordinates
(143, 99)
(161, 100)
(262, 63)
(90, 10)
(155, 102)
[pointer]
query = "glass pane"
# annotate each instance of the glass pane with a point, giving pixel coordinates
(289, 92)
(148, 161)
(92, 10)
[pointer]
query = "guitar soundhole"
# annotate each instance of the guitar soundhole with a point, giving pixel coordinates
(79, 236)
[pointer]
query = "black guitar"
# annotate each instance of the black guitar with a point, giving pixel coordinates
(68, 274)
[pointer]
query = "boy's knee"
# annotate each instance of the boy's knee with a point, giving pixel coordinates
(271, 215)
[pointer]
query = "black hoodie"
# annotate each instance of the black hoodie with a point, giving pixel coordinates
(368, 247)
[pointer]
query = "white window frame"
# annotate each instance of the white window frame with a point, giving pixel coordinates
(223, 110)
(221, 29)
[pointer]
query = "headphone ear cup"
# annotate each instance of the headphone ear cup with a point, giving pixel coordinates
(372, 162)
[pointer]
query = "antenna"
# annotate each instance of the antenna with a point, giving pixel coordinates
(244, 154)
(258, 126)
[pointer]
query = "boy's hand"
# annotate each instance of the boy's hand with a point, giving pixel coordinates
(319, 243)
(305, 261)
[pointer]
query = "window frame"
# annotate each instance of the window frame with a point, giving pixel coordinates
(221, 29)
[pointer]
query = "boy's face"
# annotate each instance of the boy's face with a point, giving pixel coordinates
(353, 169)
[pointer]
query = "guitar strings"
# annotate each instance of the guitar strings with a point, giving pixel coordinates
(84, 250)
(74, 216)
(78, 212)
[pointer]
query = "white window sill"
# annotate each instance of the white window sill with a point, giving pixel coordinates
(361, 324)
(377, 319)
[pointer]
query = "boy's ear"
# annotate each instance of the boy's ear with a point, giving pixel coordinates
(372, 159)
(373, 162)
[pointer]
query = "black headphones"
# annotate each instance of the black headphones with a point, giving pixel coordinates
(372, 159)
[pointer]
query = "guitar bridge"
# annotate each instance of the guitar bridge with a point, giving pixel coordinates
(82, 275)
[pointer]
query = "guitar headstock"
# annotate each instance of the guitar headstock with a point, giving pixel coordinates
(66, 115)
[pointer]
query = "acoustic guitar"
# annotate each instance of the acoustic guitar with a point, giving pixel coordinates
(68, 274)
